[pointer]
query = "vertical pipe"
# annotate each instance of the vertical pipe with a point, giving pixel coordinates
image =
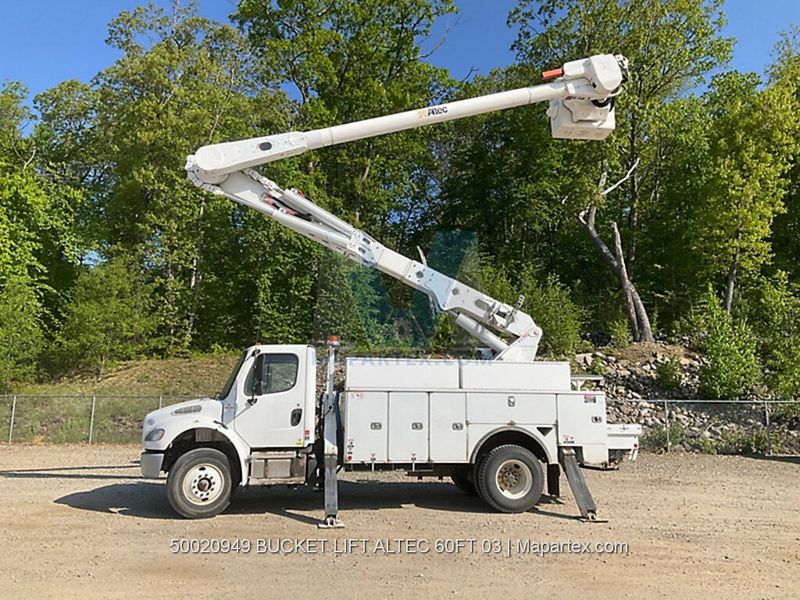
(91, 419)
(769, 432)
(11, 422)
(666, 423)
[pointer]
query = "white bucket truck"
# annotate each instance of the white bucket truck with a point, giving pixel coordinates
(502, 428)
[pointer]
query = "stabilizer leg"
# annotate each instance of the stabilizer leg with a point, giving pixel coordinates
(331, 519)
(577, 483)
(331, 459)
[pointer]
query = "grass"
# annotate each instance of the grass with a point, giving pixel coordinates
(196, 376)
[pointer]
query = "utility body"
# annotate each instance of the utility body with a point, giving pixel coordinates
(502, 428)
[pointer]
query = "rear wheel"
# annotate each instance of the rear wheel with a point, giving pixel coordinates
(199, 484)
(510, 479)
(462, 477)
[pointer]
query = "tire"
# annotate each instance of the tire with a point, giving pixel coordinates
(462, 477)
(199, 484)
(510, 479)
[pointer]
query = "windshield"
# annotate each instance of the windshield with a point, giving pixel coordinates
(223, 393)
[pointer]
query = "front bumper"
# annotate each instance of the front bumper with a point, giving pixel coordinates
(151, 464)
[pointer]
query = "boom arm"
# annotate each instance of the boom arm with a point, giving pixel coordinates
(581, 107)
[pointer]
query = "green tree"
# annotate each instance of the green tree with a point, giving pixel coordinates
(671, 45)
(35, 226)
(774, 312)
(732, 368)
(182, 82)
(753, 138)
(350, 60)
(344, 61)
(545, 299)
(785, 72)
(21, 338)
(110, 317)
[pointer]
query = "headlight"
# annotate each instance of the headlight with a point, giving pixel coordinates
(154, 435)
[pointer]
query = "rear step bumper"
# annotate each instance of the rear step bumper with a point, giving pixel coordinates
(624, 437)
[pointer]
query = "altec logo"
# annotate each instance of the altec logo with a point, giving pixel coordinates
(433, 111)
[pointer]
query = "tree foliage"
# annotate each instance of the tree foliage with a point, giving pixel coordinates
(732, 367)
(110, 252)
(109, 318)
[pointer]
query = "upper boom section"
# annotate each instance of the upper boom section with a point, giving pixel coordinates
(580, 108)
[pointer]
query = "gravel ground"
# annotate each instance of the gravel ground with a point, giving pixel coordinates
(78, 522)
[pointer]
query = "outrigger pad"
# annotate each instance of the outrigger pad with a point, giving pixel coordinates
(330, 523)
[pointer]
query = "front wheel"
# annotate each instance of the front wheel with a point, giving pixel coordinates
(510, 479)
(199, 484)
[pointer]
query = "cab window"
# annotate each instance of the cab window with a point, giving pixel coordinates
(272, 373)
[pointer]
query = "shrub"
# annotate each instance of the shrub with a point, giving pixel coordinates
(550, 305)
(735, 442)
(732, 366)
(597, 368)
(656, 438)
(620, 333)
(547, 300)
(668, 374)
(702, 445)
(775, 315)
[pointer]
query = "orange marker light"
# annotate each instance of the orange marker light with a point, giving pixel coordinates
(553, 73)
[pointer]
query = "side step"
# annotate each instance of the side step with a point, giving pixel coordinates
(577, 483)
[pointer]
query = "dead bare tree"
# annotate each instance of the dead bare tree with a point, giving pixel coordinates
(637, 315)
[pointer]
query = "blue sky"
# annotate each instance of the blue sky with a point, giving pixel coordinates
(47, 41)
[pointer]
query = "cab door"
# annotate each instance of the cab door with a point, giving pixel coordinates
(269, 411)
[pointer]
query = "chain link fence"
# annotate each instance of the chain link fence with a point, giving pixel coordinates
(712, 426)
(77, 418)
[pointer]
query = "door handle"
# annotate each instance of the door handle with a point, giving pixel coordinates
(297, 414)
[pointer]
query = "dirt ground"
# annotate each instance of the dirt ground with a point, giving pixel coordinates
(78, 522)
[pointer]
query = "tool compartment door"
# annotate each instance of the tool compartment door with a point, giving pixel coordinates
(448, 434)
(581, 419)
(511, 408)
(366, 426)
(408, 427)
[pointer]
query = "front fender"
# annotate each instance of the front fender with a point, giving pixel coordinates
(176, 427)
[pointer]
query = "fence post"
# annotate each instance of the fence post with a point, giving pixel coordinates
(666, 424)
(91, 419)
(160, 401)
(769, 432)
(11, 422)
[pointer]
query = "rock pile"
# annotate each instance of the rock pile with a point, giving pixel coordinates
(642, 378)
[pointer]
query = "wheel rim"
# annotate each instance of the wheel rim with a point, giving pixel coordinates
(203, 484)
(514, 479)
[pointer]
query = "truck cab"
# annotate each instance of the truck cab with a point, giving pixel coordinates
(265, 410)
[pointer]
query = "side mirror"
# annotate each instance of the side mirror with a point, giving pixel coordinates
(258, 376)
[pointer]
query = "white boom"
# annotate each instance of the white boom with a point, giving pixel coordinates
(581, 107)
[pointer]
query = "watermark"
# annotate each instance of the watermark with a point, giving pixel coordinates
(393, 546)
